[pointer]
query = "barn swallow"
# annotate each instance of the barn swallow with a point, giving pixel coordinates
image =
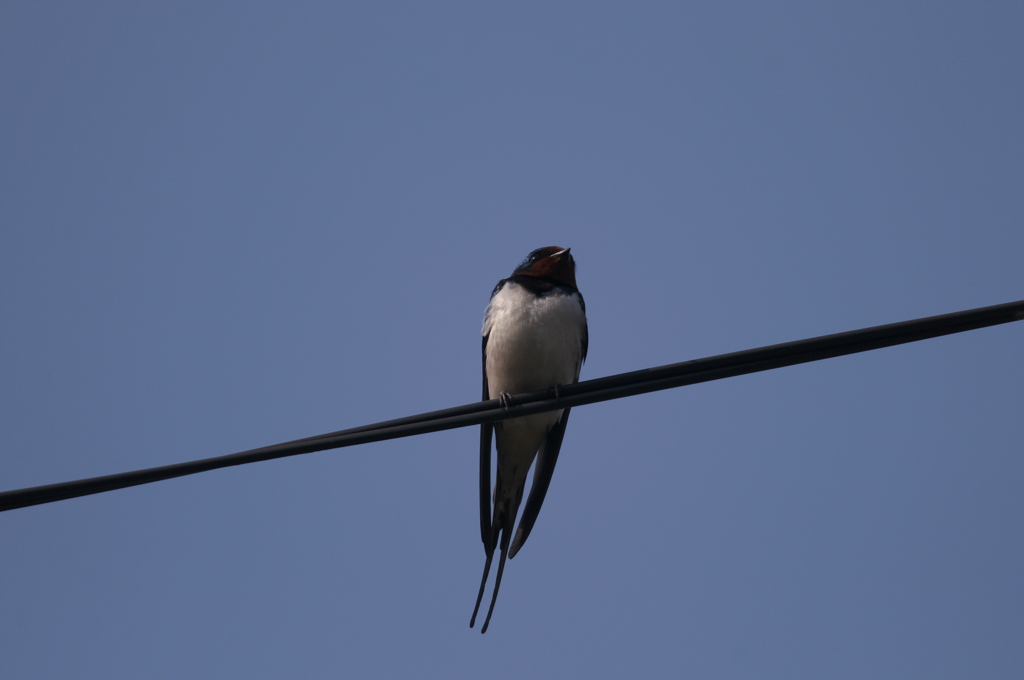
(534, 338)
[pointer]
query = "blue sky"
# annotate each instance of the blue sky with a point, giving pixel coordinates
(229, 225)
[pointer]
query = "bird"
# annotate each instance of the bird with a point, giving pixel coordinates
(534, 338)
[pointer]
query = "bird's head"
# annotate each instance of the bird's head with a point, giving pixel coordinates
(552, 263)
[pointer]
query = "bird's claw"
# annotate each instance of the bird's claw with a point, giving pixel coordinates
(505, 400)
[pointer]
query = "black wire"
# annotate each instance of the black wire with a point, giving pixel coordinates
(587, 392)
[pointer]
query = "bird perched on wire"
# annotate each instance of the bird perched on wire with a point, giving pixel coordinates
(534, 338)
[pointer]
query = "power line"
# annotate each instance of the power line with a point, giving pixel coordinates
(579, 394)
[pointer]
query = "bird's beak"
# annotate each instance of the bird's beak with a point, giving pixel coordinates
(561, 252)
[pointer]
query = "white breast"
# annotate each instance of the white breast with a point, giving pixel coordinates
(535, 341)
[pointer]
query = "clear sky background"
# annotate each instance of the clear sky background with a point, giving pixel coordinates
(230, 225)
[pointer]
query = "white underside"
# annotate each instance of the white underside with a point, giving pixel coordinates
(535, 342)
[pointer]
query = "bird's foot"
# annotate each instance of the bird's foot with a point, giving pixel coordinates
(505, 400)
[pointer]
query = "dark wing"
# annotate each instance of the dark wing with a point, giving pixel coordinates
(490, 527)
(486, 431)
(586, 333)
(545, 467)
